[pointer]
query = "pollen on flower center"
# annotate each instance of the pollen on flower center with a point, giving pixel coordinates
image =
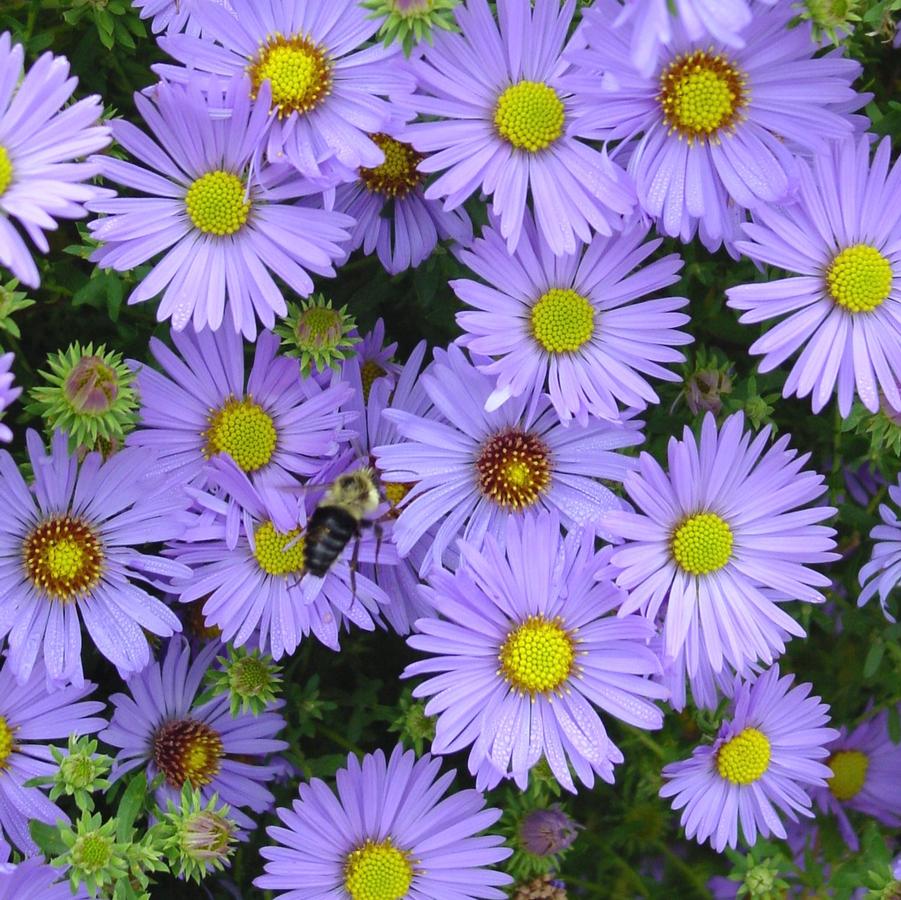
(562, 320)
(298, 70)
(849, 773)
(7, 743)
(702, 544)
(538, 656)
(397, 176)
(185, 750)
(6, 170)
(701, 95)
(217, 203)
(395, 492)
(378, 871)
(243, 430)
(514, 469)
(745, 758)
(272, 552)
(860, 278)
(529, 115)
(63, 558)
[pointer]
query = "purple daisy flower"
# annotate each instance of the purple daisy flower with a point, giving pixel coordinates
(30, 715)
(470, 468)
(843, 239)
(159, 726)
(224, 222)
(865, 764)
(373, 359)
(272, 423)
(40, 140)
(525, 653)
(569, 324)
(70, 553)
(719, 127)
(764, 759)
(723, 20)
(248, 571)
(8, 393)
(393, 217)
(882, 574)
(33, 879)
(729, 520)
(172, 16)
(326, 85)
(506, 123)
(389, 832)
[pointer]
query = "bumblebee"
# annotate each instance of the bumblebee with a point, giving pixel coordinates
(339, 518)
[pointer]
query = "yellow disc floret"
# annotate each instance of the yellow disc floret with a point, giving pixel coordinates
(514, 469)
(701, 95)
(702, 544)
(538, 656)
(378, 871)
(63, 558)
(7, 743)
(186, 750)
(860, 279)
(529, 115)
(298, 71)
(6, 170)
(243, 430)
(745, 758)
(849, 773)
(562, 320)
(273, 553)
(217, 203)
(397, 175)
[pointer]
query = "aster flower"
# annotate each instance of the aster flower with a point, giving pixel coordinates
(389, 832)
(508, 124)
(88, 394)
(764, 760)
(31, 715)
(393, 217)
(843, 239)
(8, 393)
(40, 141)
(325, 87)
(224, 222)
(864, 766)
(160, 727)
(248, 570)
(882, 574)
(374, 358)
(525, 654)
(33, 879)
(569, 324)
(729, 523)
(70, 553)
(470, 469)
(723, 20)
(272, 423)
(719, 127)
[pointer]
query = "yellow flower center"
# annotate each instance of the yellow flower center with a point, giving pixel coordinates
(272, 552)
(185, 750)
(243, 430)
(702, 544)
(7, 743)
(538, 656)
(63, 558)
(395, 492)
(514, 469)
(217, 203)
(298, 71)
(860, 278)
(378, 871)
(529, 115)
(849, 772)
(562, 320)
(745, 758)
(6, 170)
(397, 175)
(369, 371)
(701, 95)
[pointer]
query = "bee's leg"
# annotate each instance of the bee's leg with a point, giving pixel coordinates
(354, 563)
(379, 534)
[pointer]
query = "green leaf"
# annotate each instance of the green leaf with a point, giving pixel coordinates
(47, 838)
(130, 806)
(874, 657)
